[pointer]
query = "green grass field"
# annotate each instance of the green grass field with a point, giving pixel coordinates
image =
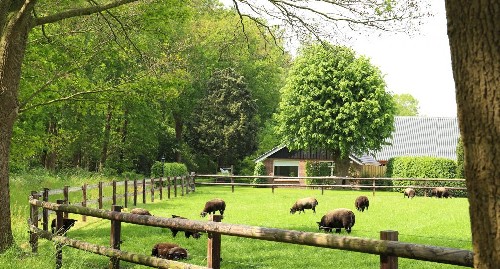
(422, 220)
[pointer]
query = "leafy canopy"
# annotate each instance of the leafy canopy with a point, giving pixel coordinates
(335, 101)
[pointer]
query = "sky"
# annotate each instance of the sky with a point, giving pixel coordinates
(419, 65)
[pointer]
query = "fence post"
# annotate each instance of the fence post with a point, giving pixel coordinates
(168, 187)
(114, 191)
(114, 263)
(100, 194)
(84, 199)
(66, 199)
(187, 182)
(152, 190)
(213, 247)
(34, 222)
(161, 188)
(135, 192)
(59, 231)
(45, 214)
(373, 187)
(386, 261)
(193, 176)
(144, 190)
(182, 186)
(175, 186)
(232, 184)
(126, 193)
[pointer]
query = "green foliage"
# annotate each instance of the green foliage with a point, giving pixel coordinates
(317, 169)
(424, 167)
(225, 127)
(259, 170)
(336, 101)
(170, 170)
(460, 159)
(406, 105)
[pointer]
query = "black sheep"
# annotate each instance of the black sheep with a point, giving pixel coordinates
(304, 203)
(67, 224)
(440, 192)
(169, 251)
(361, 203)
(212, 206)
(409, 192)
(337, 219)
(187, 233)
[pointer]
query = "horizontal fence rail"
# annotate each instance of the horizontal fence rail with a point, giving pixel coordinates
(371, 246)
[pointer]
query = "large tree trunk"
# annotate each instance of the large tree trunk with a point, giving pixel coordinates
(105, 143)
(13, 40)
(474, 35)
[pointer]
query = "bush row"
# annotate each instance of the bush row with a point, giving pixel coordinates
(424, 167)
(169, 170)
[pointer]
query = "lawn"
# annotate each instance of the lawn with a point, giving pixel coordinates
(422, 220)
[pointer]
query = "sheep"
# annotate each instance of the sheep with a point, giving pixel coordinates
(337, 219)
(140, 211)
(440, 192)
(212, 206)
(409, 192)
(169, 251)
(187, 233)
(67, 224)
(304, 203)
(361, 203)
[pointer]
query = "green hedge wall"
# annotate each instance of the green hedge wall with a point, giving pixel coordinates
(424, 167)
(259, 170)
(317, 169)
(170, 170)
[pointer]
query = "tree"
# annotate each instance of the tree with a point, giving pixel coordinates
(225, 127)
(473, 32)
(335, 101)
(406, 105)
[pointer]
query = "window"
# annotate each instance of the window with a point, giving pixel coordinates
(286, 168)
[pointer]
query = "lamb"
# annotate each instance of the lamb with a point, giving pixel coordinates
(361, 203)
(409, 192)
(169, 251)
(304, 203)
(67, 224)
(140, 211)
(337, 219)
(187, 233)
(212, 206)
(440, 192)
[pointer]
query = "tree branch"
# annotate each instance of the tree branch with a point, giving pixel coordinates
(80, 12)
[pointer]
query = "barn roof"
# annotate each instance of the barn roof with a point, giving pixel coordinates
(412, 136)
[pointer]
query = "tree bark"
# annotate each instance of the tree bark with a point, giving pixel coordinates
(474, 36)
(105, 143)
(12, 48)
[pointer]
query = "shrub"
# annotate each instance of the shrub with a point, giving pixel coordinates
(169, 170)
(318, 169)
(259, 170)
(424, 167)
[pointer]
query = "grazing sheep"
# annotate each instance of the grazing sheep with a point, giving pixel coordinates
(67, 223)
(361, 203)
(169, 251)
(140, 211)
(187, 233)
(212, 206)
(409, 192)
(440, 192)
(304, 203)
(337, 219)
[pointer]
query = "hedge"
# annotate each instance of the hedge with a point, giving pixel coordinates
(170, 170)
(424, 167)
(259, 170)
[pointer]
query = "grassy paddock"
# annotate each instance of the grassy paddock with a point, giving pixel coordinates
(439, 222)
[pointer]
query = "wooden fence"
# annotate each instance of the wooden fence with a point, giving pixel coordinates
(387, 247)
(134, 189)
(229, 180)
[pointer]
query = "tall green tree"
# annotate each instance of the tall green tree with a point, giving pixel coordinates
(406, 105)
(335, 101)
(225, 127)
